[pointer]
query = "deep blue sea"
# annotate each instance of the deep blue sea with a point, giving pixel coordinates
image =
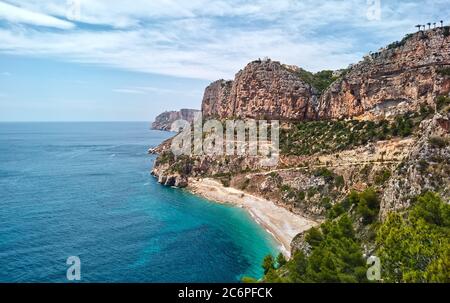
(85, 189)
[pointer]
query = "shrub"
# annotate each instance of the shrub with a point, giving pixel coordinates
(281, 260)
(339, 181)
(165, 157)
(248, 280)
(444, 71)
(340, 208)
(245, 184)
(446, 31)
(415, 247)
(268, 264)
(382, 176)
(336, 256)
(314, 236)
(368, 205)
(326, 203)
(438, 142)
(442, 101)
(403, 126)
(335, 211)
(325, 173)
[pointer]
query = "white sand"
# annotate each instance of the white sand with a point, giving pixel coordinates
(278, 221)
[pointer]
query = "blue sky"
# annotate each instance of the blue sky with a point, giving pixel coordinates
(115, 60)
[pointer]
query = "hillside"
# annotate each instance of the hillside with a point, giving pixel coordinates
(361, 143)
(164, 121)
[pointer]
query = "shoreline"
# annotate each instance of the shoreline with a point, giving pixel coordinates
(280, 223)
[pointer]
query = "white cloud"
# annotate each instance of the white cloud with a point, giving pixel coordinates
(5, 74)
(198, 53)
(16, 14)
(212, 39)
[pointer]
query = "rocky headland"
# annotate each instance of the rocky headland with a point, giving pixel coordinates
(382, 124)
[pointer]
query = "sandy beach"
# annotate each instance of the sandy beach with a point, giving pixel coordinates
(278, 221)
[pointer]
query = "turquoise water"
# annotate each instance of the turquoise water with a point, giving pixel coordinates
(84, 189)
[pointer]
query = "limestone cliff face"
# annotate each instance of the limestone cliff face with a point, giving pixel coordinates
(426, 167)
(164, 121)
(400, 158)
(262, 90)
(397, 79)
(216, 100)
(400, 78)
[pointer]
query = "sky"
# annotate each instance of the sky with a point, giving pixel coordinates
(115, 60)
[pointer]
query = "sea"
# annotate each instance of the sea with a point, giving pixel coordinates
(84, 191)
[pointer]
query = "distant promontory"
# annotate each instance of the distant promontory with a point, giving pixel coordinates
(165, 120)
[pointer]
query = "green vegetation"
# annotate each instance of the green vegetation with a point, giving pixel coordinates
(442, 102)
(338, 209)
(281, 260)
(403, 127)
(336, 256)
(438, 142)
(248, 280)
(290, 193)
(182, 165)
(244, 184)
(321, 80)
(224, 178)
(268, 264)
(382, 176)
(323, 137)
(397, 44)
(165, 157)
(330, 177)
(366, 203)
(322, 194)
(444, 71)
(446, 31)
(415, 247)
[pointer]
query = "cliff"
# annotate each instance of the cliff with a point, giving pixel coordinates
(399, 78)
(164, 121)
(264, 89)
(380, 128)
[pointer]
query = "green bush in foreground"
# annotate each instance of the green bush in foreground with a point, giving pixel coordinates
(416, 248)
(413, 247)
(367, 205)
(336, 256)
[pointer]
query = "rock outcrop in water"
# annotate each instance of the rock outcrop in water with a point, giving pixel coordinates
(164, 121)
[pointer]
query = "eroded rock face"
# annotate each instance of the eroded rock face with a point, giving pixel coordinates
(216, 100)
(393, 81)
(426, 168)
(164, 121)
(262, 90)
